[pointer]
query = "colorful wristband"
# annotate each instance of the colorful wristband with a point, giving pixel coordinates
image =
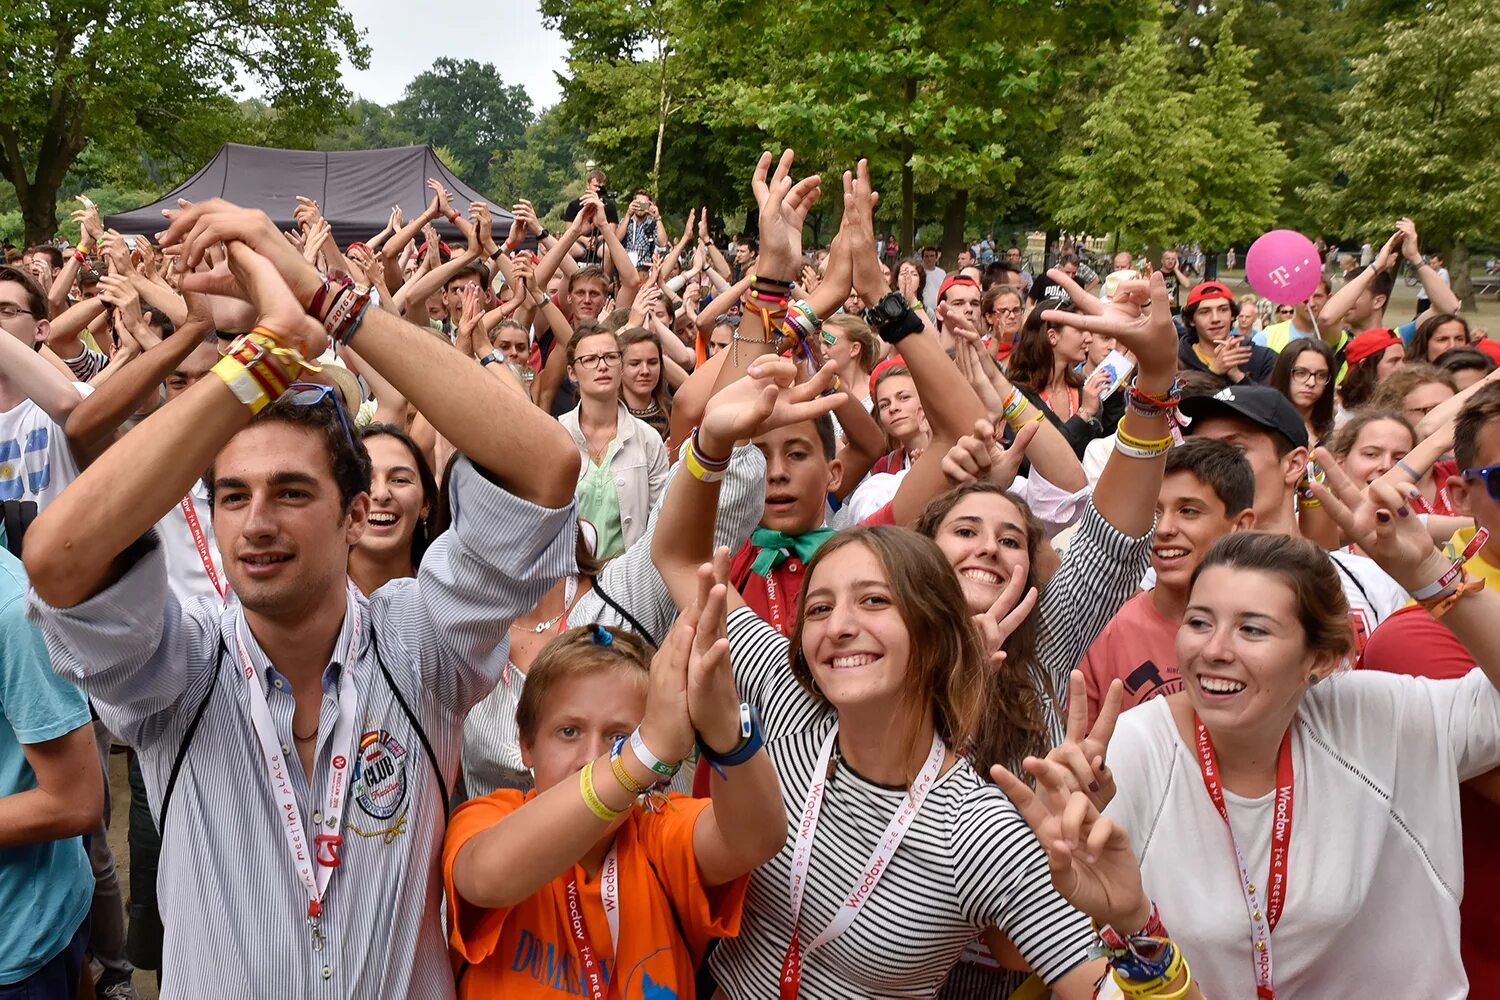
(622, 775)
(645, 756)
(591, 796)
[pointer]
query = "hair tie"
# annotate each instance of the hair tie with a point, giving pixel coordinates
(602, 636)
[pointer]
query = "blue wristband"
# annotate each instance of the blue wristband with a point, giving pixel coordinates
(751, 740)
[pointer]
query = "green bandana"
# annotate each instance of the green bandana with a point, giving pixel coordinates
(776, 547)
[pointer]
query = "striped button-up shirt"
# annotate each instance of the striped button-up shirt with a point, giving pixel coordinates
(232, 905)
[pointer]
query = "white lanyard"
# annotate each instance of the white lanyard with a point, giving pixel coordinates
(324, 846)
(591, 971)
(880, 857)
(200, 542)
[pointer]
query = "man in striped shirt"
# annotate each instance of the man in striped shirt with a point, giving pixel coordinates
(303, 820)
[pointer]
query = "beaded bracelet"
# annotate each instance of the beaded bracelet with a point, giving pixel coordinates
(1143, 404)
(761, 279)
(591, 795)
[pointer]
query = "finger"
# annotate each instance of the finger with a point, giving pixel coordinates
(1101, 831)
(1109, 714)
(1081, 773)
(1020, 613)
(1032, 809)
(1078, 705)
(1023, 438)
(1075, 815)
(962, 455)
(758, 179)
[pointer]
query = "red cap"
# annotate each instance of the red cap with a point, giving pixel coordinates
(1489, 348)
(1208, 290)
(894, 361)
(955, 279)
(1370, 343)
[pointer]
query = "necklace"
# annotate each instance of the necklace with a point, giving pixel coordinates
(649, 411)
(539, 627)
(304, 739)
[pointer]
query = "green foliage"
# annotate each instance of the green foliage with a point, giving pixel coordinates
(1425, 110)
(546, 166)
(157, 75)
(1165, 158)
(465, 107)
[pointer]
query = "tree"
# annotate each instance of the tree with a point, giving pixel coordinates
(1236, 184)
(466, 107)
(1428, 122)
(1133, 171)
(366, 125)
(155, 74)
(549, 158)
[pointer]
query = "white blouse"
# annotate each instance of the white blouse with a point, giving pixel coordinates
(1375, 873)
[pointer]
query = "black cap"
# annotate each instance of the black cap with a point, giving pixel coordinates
(1258, 404)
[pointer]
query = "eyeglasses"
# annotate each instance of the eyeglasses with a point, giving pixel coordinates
(596, 361)
(9, 310)
(1011, 311)
(1488, 473)
(313, 394)
(1285, 312)
(1308, 375)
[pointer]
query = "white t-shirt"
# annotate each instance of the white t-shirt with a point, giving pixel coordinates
(935, 279)
(186, 574)
(1373, 596)
(1376, 868)
(35, 460)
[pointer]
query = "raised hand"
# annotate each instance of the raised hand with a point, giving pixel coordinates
(783, 209)
(90, 228)
(277, 306)
(317, 235)
(527, 211)
(667, 727)
(857, 233)
(117, 252)
(1410, 248)
(713, 700)
(484, 222)
(307, 213)
(1149, 335)
(193, 229)
(764, 400)
(1089, 857)
(1004, 616)
(397, 222)
(1380, 521)
(978, 456)
(906, 281)
(1083, 749)
(469, 326)
(1093, 388)
(440, 197)
(1387, 255)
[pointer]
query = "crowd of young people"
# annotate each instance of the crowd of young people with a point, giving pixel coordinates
(629, 618)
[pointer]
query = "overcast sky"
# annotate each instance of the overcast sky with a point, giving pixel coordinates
(405, 36)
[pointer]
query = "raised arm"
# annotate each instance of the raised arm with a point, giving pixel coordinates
(404, 236)
(1438, 293)
(1341, 301)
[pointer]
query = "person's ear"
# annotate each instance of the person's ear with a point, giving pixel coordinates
(1243, 521)
(1377, 302)
(835, 476)
(525, 747)
(1458, 492)
(357, 520)
(43, 330)
(1325, 664)
(1294, 465)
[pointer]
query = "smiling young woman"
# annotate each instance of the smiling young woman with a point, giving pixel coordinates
(1279, 809)
(403, 499)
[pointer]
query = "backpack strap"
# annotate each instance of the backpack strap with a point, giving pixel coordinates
(640, 629)
(444, 792)
(187, 741)
(18, 517)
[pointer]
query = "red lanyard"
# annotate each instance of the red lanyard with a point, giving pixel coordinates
(1261, 924)
(591, 974)
(879, 860)
(200, 541)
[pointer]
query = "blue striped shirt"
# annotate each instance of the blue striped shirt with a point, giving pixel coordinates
(232, 906)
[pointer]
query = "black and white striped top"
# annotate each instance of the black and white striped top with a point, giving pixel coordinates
(968, 862)
(232, 906)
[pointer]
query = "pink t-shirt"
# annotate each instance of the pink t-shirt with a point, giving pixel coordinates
(1139, 647)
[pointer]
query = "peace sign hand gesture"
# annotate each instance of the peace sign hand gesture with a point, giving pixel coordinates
(1089, 857)
(1083, 749)
(713, 700)
(1004, 616)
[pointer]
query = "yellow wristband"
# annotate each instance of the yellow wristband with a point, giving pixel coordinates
(591, 797)
(697, 469)
(617, 768)
(1152, 990)
(1161, 444)
(240, 382)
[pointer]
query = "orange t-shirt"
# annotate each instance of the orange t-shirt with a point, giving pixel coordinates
(528, 951)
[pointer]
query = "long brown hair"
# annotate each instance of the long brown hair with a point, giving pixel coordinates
(1030, 364)
(946, 672)
(1014, 707)
(631, 336)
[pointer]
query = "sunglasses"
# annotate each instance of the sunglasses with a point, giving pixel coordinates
(1488, 473)
(313, 394)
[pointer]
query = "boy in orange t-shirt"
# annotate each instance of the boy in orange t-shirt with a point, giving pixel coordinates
(570, 890)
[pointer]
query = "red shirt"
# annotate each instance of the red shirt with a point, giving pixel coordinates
(1412, 642)
(1442, 503)
(1139, 646)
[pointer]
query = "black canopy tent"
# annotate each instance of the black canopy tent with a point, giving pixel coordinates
(355, 189)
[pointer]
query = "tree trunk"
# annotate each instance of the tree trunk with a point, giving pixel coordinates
(908, 183)
(661, 122)
(1458, 272)
(954, 214)
(39, 213)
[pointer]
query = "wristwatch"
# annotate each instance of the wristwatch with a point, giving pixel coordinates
(892, 319)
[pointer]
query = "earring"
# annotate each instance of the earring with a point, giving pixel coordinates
(1312, 678)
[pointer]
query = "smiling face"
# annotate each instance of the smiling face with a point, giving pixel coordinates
(277, 519)
(798, 478)
(1190, 517)
(898, 408)
(984, 539)
(853, 637)
(580, 719)
(1212, 318)
(1242, 650)
(396, 502)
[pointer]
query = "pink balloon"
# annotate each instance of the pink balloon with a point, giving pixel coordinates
(1283, 266)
